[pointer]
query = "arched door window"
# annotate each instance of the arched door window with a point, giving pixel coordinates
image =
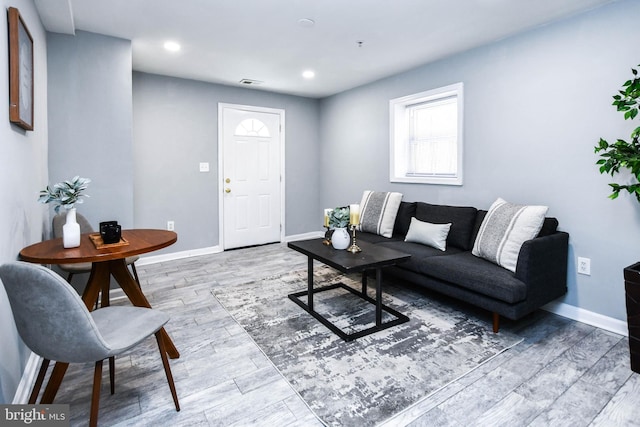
(252, 127)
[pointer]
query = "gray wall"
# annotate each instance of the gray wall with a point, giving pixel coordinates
(535, 106)
(176, 128)
(90, 116)
(23, 173)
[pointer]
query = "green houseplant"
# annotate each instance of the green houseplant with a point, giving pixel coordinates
(339, 217)
(626, 155)
(339, 221)
(65, 194)
(622, 154)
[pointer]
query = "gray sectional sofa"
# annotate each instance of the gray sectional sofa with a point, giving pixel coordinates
(539, 278)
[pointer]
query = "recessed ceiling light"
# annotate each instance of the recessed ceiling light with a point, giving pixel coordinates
(309, 74)
(172, 46)
(306, 22)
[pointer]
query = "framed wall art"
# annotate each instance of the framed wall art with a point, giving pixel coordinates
(20, 71)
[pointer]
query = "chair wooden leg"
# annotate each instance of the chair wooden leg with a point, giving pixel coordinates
(167, 368)
(135, 274)
(95, 396)
(112, 374)
(496, 322)
(50, 391)
(39, 380)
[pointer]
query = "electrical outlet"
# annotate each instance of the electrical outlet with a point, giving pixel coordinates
(204, 167)
(584, 266)
(171, 226)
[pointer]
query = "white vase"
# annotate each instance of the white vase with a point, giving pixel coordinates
(340, 238)
(71, 230)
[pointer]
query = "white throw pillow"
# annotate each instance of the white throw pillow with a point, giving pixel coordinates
(426, 233)
(378, 211)
(504, 229)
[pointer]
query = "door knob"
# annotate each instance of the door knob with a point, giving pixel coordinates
(227, 190)
(227, 180)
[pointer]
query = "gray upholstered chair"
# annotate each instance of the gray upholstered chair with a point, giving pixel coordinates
(84, 267)
(55, 324)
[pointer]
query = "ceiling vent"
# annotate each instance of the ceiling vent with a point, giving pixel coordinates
(250, 82)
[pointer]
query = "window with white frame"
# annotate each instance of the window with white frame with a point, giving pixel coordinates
(426, 137)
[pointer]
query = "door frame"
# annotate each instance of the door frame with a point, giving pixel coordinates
(221, 107)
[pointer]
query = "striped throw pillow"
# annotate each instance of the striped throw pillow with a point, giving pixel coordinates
(504, 229)
(378, 211)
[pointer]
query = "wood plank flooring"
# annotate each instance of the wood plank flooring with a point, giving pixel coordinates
(565, 373)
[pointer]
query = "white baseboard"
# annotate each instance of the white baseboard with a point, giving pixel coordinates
(305, 236)
(589, 317)
(152, 259)
(28, 379)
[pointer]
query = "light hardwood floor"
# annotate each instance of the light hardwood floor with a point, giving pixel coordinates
(565, 373)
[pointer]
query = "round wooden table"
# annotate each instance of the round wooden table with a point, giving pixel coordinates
(107, 261)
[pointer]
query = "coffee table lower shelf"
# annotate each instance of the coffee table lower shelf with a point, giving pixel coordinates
(379, 326)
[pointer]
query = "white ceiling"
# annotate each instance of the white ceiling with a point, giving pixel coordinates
(224, 41)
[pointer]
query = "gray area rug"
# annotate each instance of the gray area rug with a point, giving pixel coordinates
(369, 380)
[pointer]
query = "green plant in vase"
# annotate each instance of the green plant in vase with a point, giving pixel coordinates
(339, 217)
(65, 194)
(626, 155)
(622, 154)
(339, 221)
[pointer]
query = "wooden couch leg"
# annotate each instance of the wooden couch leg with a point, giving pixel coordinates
(496, 322)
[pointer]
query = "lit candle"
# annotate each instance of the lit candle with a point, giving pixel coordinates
(354, 214)
(326, 217)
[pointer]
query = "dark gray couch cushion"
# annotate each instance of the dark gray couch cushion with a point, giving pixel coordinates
(363, 236)
(549, 227)
(462, 219)
(418, 253)
(476, 274)
(406, 211)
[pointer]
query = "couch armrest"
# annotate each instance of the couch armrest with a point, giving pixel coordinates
(542, 266)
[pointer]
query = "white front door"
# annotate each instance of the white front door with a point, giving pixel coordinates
(250, 173)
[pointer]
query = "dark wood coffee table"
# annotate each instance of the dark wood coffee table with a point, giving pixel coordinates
(372, 257)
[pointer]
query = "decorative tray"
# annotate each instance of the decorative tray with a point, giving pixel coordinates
(99, 244)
